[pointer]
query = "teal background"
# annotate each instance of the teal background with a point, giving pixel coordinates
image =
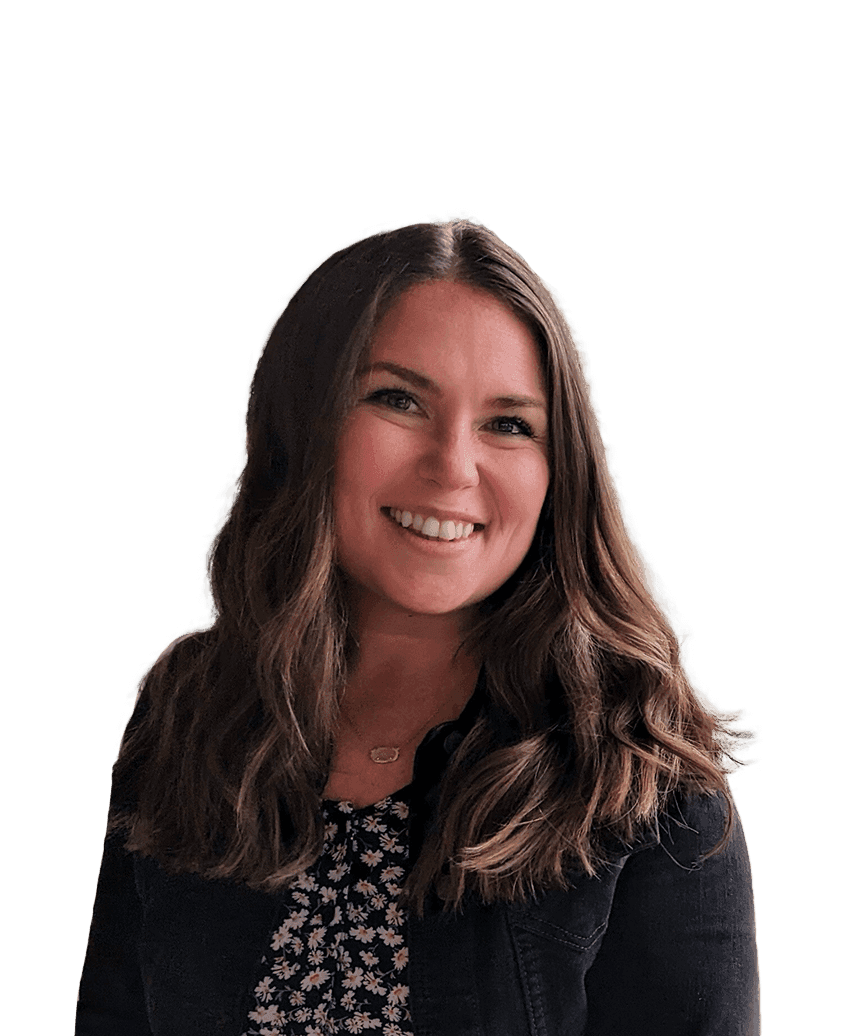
(681, 176)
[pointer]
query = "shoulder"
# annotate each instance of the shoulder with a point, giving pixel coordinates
(692, 875)
(681, 940)
(692, 824)
(696, 826)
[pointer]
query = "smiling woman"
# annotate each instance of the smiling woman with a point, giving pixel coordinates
(436, 767)
(446, 460)
(415, 582)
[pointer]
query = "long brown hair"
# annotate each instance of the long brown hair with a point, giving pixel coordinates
(224, 763)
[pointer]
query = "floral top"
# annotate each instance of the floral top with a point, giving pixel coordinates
(338, 962)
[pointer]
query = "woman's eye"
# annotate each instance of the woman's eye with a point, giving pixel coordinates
(520, 423)
(387, 394)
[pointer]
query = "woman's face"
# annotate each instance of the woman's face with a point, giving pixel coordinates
(447, 447)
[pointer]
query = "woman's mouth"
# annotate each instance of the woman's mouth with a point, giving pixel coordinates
(446, 534)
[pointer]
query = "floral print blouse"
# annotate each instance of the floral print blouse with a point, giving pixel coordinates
(338, 962)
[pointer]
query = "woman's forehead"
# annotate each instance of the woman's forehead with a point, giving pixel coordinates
(441, 329)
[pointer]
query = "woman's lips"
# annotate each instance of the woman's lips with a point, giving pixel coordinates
(430, 539)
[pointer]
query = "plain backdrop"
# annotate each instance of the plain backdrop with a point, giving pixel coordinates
(682, 177)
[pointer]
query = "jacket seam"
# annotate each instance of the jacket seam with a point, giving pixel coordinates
(557, 934)
(535, 1015)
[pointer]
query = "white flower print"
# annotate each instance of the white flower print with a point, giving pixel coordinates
(268, 1014)
(355, 912)
(362, 933)
(263, 990)
(361, 1021)
(315, 978)
(295, 919)
(354, 978)
(373, 984)
(398, 995)
(394, 915)
(338, 958)
(283, 970)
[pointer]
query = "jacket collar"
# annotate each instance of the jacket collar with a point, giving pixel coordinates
(431, 759)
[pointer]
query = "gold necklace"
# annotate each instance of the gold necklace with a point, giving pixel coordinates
(390, 753)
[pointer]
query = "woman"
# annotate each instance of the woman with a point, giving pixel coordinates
(436, 767)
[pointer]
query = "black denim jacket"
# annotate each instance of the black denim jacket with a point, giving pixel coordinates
(659, 944)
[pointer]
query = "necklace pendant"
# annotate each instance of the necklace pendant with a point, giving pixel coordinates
(384, 755)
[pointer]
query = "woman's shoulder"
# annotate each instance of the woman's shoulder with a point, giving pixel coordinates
(694, 825)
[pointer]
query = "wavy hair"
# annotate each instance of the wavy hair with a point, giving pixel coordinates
(225, 760)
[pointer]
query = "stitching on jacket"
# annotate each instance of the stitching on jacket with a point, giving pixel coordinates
(558, 934)
(530, 983)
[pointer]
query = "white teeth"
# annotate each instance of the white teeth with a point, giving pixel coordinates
(446, 530)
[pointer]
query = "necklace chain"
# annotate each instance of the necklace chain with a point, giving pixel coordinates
(390, 753)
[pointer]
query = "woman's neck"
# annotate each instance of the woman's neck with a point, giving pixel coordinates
(400, 696)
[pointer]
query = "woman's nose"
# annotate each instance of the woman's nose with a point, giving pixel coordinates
(451, 458)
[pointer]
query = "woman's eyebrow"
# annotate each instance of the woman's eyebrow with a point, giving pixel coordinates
(428, 385)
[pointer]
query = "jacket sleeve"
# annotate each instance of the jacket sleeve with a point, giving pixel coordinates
(111, 1001)
(679, 956)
